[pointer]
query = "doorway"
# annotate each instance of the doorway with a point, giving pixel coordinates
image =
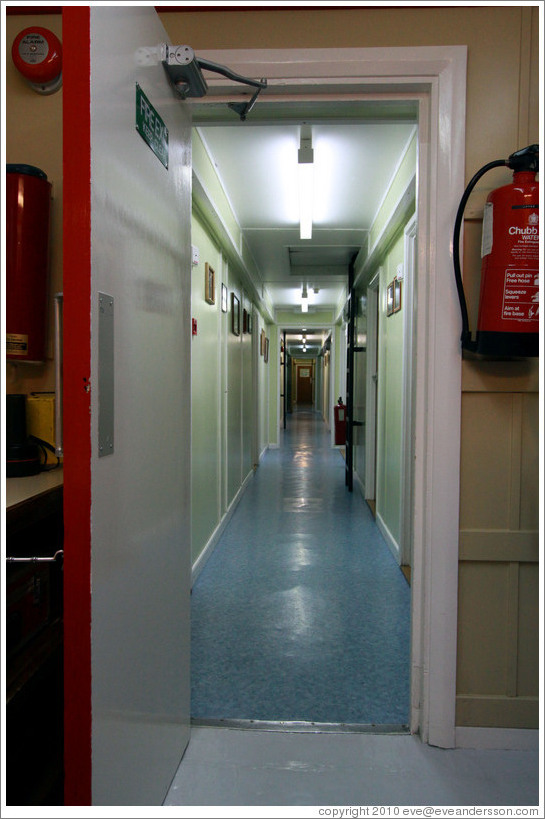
(302, 370)
(304, 381)
(438, 375)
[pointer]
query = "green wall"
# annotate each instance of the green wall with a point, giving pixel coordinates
(205, 394)
(399, 184)
(384, 253)
(230, 407)
(390, 402)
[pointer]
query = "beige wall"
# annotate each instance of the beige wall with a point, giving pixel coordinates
(498, 604)
(34, 137)
(497, 660)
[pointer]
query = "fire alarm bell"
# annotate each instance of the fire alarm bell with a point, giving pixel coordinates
(37, 54)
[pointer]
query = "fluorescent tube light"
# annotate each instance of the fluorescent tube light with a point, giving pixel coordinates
(304, 300)
(306, 183)
(306, 196)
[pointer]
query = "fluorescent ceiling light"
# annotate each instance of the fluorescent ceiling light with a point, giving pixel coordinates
(304, 300)
(306, 183)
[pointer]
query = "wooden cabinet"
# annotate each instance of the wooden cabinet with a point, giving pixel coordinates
(34, 641)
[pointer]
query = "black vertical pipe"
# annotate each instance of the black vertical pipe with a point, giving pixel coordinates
(284, 386)
(350, 377)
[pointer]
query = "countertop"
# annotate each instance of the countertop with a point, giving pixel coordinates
(20, 490)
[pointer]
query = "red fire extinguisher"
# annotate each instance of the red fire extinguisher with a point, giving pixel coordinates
(28, 196)
(340, 423)
(508, 320)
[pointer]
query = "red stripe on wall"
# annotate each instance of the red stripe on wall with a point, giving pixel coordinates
(77, 426)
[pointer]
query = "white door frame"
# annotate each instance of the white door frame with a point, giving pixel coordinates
(436, 77)
(371, 389)
(407, 434)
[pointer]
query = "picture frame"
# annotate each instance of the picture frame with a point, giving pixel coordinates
(266, 353)
(244, 320)
(250, 322)
(235, 315)
(209, 284)
(223, 298)
(262, 343)
(390, 299)
(397, 295)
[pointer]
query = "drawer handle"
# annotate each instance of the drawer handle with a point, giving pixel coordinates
(60, 553)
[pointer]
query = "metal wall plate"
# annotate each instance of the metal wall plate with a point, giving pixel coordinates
(105, 375)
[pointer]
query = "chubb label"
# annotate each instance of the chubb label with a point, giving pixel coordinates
(527, 231)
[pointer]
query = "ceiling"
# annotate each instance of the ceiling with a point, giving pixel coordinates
(353, 165)
(304, 343)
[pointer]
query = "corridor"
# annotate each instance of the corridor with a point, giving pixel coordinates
(301, 613)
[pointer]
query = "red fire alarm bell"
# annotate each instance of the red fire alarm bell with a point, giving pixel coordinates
(37, 54)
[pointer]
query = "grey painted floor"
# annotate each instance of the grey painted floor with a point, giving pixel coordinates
(258, 656)
(301, 612)
(225, 767)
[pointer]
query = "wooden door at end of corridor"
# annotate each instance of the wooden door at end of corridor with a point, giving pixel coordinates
(304, 383)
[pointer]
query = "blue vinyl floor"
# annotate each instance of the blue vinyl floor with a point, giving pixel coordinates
(301, 612)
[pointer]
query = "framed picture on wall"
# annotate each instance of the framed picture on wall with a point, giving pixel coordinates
(390, 299)
(223, 298)
(235, 315)
(249, 322)
(397, 295)
(244, 321)
(266, 353)
(209, 284)
(262, 343)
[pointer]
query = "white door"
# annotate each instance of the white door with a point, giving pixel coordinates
(139, 466)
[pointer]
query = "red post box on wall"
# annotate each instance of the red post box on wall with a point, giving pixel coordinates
(340, 423)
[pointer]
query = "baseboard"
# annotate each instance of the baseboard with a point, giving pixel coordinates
(358, 481)
(497, 739)
(206, 553)
(389, 538)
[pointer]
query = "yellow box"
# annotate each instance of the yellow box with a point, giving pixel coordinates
(40, 419)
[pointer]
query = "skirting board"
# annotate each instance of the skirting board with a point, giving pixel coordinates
(385, 532)
(389, 538)
(497, 739)
(202, 559)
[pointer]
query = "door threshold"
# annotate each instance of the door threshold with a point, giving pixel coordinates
(300, 726)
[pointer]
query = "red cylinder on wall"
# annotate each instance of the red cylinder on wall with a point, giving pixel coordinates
(28, 198)
(340, 423)
(509, 300)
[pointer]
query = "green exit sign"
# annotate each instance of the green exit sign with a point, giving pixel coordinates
(151, 127)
